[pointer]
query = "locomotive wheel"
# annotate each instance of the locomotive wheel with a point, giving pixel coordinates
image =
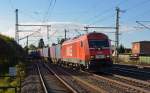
(87, 66)
(77, 67)
(82, 67)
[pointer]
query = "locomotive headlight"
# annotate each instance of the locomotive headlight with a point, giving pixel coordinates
(108, 56)
(99, 48)
(92, 57)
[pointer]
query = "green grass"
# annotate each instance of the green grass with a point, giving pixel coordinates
(13, 82)
(10, 90)
(8, 82)
(143, 60)
(4, 83)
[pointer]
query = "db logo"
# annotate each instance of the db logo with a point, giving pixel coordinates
(69, 51)
(99, 52)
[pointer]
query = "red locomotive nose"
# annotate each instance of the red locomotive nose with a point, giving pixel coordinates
(100, 50)
(100, 54)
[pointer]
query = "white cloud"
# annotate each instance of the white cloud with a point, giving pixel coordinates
(10, 32)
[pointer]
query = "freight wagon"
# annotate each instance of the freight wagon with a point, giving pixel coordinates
(45, 53)
(55, 52)
(33, 54)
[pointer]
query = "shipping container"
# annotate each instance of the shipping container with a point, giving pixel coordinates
(46, 52)
(141, 48)
(41, 52)
(58, 52)
(53, 53)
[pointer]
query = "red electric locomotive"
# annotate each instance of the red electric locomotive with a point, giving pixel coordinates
(91, 50)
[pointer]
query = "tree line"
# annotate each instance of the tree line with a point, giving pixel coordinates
(10, 52)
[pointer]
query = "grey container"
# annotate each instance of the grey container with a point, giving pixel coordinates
(45, 52)
(58, 52)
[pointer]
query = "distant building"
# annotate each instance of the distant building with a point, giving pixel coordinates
(141, 48)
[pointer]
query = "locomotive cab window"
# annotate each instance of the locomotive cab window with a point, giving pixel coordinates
(81, 44)
(98, 43)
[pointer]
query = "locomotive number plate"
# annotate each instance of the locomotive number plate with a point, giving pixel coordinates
(100, 56)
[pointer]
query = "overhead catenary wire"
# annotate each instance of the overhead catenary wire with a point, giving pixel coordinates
(47, 11)
(50, 6)
(11, 4)
(137, 5)
(30, 14)
(107, 11)
(52, 9)
(135, 17)
(139, 22)
(102, 19)
(141, 3)
(143, 14)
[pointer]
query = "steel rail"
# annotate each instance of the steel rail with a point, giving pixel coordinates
(142, 83)
(42, 81)
(121, 83)
(129, 70)
(61, 80)
(87, 84)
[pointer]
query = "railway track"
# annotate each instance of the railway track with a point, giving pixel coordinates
(130, 85)
(139, 84)
(51, 82)
(135, 73)
(32, 83)
(133, 82)
(78, 84)
(133, 70)
(133, 66)
(113, 84)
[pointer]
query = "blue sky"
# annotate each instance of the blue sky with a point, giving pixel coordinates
(91, 12)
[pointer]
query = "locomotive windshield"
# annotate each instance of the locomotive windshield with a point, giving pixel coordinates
(98, 43)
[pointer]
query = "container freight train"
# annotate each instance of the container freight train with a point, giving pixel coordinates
(90, 51)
